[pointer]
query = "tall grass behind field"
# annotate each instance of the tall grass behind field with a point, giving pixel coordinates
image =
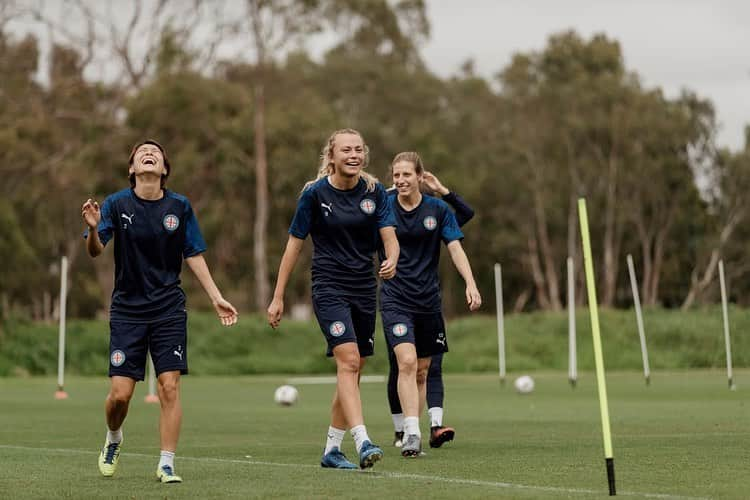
(676, 340)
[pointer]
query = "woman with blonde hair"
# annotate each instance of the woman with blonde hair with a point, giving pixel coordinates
(344, 210)
(411, 302)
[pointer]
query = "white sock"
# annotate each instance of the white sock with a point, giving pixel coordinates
(334, 439)
(114, 436)
(411, 426)
(436, 416)
(398, 421)
(359, 433)
(166, 458)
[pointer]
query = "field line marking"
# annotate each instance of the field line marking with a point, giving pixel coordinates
(394, 475)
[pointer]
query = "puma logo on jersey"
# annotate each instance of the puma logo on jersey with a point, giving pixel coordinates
(328, 207)
(128, 218)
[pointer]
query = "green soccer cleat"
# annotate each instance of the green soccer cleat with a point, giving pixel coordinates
(165, 474)
(109, 457)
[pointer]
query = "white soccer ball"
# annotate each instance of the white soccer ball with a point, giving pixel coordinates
(524, 384)
(285, 395)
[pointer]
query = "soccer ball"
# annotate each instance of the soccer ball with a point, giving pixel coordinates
(524, 384)
(285, 395)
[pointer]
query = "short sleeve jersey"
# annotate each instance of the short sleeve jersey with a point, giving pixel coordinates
(151, 239)
(344, 227)
(416, 286)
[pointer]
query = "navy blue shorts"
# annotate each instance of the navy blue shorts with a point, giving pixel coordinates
(166, 340)
(425, 330)
(347, 318)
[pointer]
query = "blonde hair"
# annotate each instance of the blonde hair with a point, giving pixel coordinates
(326, 166)
(410, 156)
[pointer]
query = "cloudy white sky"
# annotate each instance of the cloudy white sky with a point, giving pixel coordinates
(701, 45)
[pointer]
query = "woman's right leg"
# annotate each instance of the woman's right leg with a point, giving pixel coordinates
(115, 410)
(347, 405)
(406, 357)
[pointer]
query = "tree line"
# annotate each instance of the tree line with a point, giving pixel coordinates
(244, 133)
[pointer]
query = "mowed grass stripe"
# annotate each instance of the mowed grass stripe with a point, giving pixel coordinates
(391, 475)
(684, 436)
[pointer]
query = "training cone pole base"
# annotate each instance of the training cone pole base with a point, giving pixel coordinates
(60, 394)
(151, 398)
(573, 382)
(611, 476)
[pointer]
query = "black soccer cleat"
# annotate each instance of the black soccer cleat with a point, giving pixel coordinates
(441, 434)
(398, 439)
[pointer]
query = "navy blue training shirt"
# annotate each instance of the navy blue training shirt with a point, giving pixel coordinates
(464, 213)
(151, 239)
(416, 286)
(344, 226)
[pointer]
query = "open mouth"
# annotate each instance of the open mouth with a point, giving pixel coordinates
(149, 161)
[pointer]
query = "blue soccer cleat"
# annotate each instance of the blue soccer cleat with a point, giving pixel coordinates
(369, 454)
(166, 474)
(335, 459)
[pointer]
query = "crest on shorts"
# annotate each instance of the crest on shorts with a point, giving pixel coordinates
(367, 206)
(400, 329)
(429, 223)
(337, 328)
(117, 358)
(171, 222)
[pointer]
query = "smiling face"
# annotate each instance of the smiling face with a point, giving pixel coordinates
(405, 177)
(348, 154)
(148, 159)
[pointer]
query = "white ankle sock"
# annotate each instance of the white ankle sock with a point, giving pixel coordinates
(114, 436)
(359, 433)
(411, 426)
(166, 458)
(398, 422)
(436, 416)
(334, 439)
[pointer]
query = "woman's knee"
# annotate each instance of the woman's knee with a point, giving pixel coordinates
(348, 360)
(120, 394)
(169, 387)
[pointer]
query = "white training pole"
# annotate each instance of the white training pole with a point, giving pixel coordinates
(151, 397)
(60, 393)
(572, 360)
(726, 324)
(500, 324)
(639, 319)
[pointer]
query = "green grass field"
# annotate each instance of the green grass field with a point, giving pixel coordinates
(685, 436)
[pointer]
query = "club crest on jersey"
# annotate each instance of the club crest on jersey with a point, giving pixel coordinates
(337, 328)
(400, 329)
(171, 222)
(367, 206)
(429, 223)
(117, 358)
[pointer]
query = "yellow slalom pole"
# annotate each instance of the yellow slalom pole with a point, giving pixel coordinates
(594, 312)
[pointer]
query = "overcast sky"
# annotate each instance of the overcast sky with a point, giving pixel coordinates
(701, 45)
(673, 44)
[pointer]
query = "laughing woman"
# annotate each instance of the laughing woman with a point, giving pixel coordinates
(411, 302)
(344, 210)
